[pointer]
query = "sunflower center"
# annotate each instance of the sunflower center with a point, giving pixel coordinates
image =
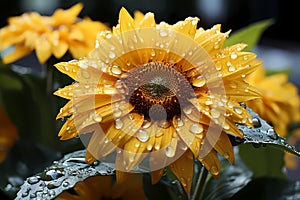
(157, 90)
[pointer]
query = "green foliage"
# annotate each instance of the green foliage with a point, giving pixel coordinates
(249, 35)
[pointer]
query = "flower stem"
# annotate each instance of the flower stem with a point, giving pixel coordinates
(200, 184)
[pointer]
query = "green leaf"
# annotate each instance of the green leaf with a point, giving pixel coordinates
(232, 179)
(249, 35)
(62, 175)
(262, 135)
(9, 82)
(270, 72)
(264, 161)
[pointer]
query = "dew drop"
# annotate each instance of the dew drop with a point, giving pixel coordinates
(214, 170)
(146, 124)
(142, 135)
(164, 124)
(196, 128)
(117, 112)
(187, 110)
(231, 68)
(233, 55)
(238, 110)
(66, 184)
(215, 113)
(180, 122)
(118, 123)
(24, 194)
(272, 134)
(163, 33)
(33, 180)
(149, 147)
(225, 126)
(170, 151)
(137, 144)
(97, 117)
(199, 81)
(116, 70)
(256, 122)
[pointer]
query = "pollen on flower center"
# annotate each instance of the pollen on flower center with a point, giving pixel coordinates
(157, 84)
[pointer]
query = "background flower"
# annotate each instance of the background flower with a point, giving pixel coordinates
(8, 134)
(280, 102)
(49, 35)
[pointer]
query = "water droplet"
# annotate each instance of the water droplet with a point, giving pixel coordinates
(137, 144)
(272, 134)
(256, 122)
(231, 68)
(164, 124)
(163, 33)
(24, 194)
(97, 117)
(32, 195)
(117, 112)
(196, 128)
(179, 121)
(118, 123)
(142, 135)
(170, 151)
(33, 180)
(214, 170)
(65, 184)
(116, 70)
(149, 147)
(215, 113)
(146, 124)
(233, 55)
(199, 81)
(225, 126)
(187, 110)
(53, 184)
(238, 110)
(111, 55)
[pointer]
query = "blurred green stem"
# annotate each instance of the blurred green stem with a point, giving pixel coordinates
(200, 184)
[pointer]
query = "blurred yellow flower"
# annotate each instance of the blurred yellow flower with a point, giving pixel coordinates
(49, 35)
(280, 103)
(8, 134)
(155, 91)
(103, 187)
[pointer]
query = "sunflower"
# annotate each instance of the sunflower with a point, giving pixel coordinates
(49, 35)
(280, 102)
(158, 95)
(103, 187)
(8, 134)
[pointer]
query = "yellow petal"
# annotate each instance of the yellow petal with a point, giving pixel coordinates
(43, 50)
(17, 53)
(183, 168)
(116, 136)
(125, 20)
(222, 144)
(156, 175)
(211, 162)
(187, 27)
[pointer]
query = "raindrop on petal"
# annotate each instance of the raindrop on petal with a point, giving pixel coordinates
(170, 151)
(142, 135)
(118, 123)
(196, 128)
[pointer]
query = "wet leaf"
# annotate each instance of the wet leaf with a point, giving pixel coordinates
(249, 35)
(62, 175)
(232, 179)
(263, 135)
